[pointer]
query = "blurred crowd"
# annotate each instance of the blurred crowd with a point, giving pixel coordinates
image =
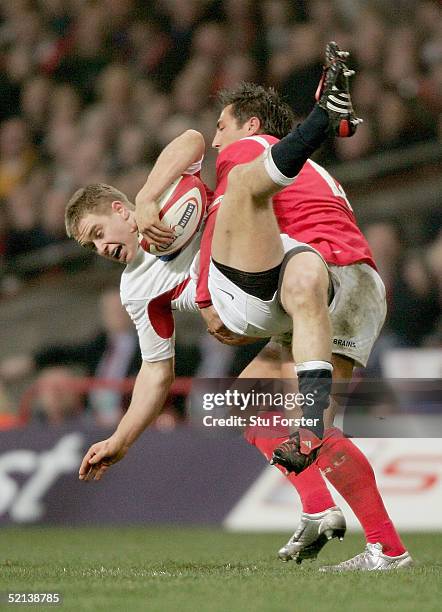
(92, 91)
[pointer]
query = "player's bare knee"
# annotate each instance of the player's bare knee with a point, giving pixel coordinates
(250, 182)
(299, 293)
(305, 286)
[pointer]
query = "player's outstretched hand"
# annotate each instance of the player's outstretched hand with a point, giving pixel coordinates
(150, 226)
(100, 457)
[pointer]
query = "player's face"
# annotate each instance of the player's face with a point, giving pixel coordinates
(113, 235)
(228, 130)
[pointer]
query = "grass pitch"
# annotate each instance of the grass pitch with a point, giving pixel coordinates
(165, 569)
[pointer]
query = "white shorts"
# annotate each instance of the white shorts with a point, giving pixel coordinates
(357, 311)
(246, 314)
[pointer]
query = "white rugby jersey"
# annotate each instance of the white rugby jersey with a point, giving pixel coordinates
(151, 289)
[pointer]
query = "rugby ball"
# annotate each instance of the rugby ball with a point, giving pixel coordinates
(182, 207)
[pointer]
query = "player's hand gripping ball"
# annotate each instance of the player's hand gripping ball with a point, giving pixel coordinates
(181, 207)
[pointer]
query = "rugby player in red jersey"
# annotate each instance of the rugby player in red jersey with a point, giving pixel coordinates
(315, 210)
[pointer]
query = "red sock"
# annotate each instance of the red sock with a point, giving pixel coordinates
(311, 487)
(349, 471)
(313, 491)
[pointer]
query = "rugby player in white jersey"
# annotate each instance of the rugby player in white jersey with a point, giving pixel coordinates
(102, 218)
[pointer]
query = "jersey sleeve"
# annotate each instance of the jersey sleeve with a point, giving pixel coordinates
(195, 168)
(155, 327)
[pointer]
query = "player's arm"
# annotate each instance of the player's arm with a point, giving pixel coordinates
(175, 159)
(151, 388)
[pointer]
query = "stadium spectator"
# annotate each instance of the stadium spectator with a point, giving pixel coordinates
(412, 291)
(305, 51)
(86, 53)
(26, 232)
(35, 105)
(415, 306)
(17, 155)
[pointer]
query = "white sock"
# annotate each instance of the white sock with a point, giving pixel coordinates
(313, 365)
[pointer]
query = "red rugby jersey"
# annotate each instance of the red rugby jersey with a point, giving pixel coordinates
(314, 209)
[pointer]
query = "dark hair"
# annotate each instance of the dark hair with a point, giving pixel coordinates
(251, 100)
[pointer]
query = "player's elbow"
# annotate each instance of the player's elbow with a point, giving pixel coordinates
(169, 378)
(160, 372)
(196, 141)
(167, 375)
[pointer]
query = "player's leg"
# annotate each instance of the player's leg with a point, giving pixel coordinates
(360, 311)
(305, 287)
(246, 235)
(354, 479)
(247, 239)
(271, 362)
(321, 519)
(305, 281)
(349, 471)
(356, 482)
(342, 374)
(266, 364)
(304, 295)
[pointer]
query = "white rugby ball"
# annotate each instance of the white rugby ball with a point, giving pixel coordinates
(182, 208)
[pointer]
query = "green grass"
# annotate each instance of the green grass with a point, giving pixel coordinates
(167, 569)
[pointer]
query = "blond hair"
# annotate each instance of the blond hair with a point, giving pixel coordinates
(95, 198)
